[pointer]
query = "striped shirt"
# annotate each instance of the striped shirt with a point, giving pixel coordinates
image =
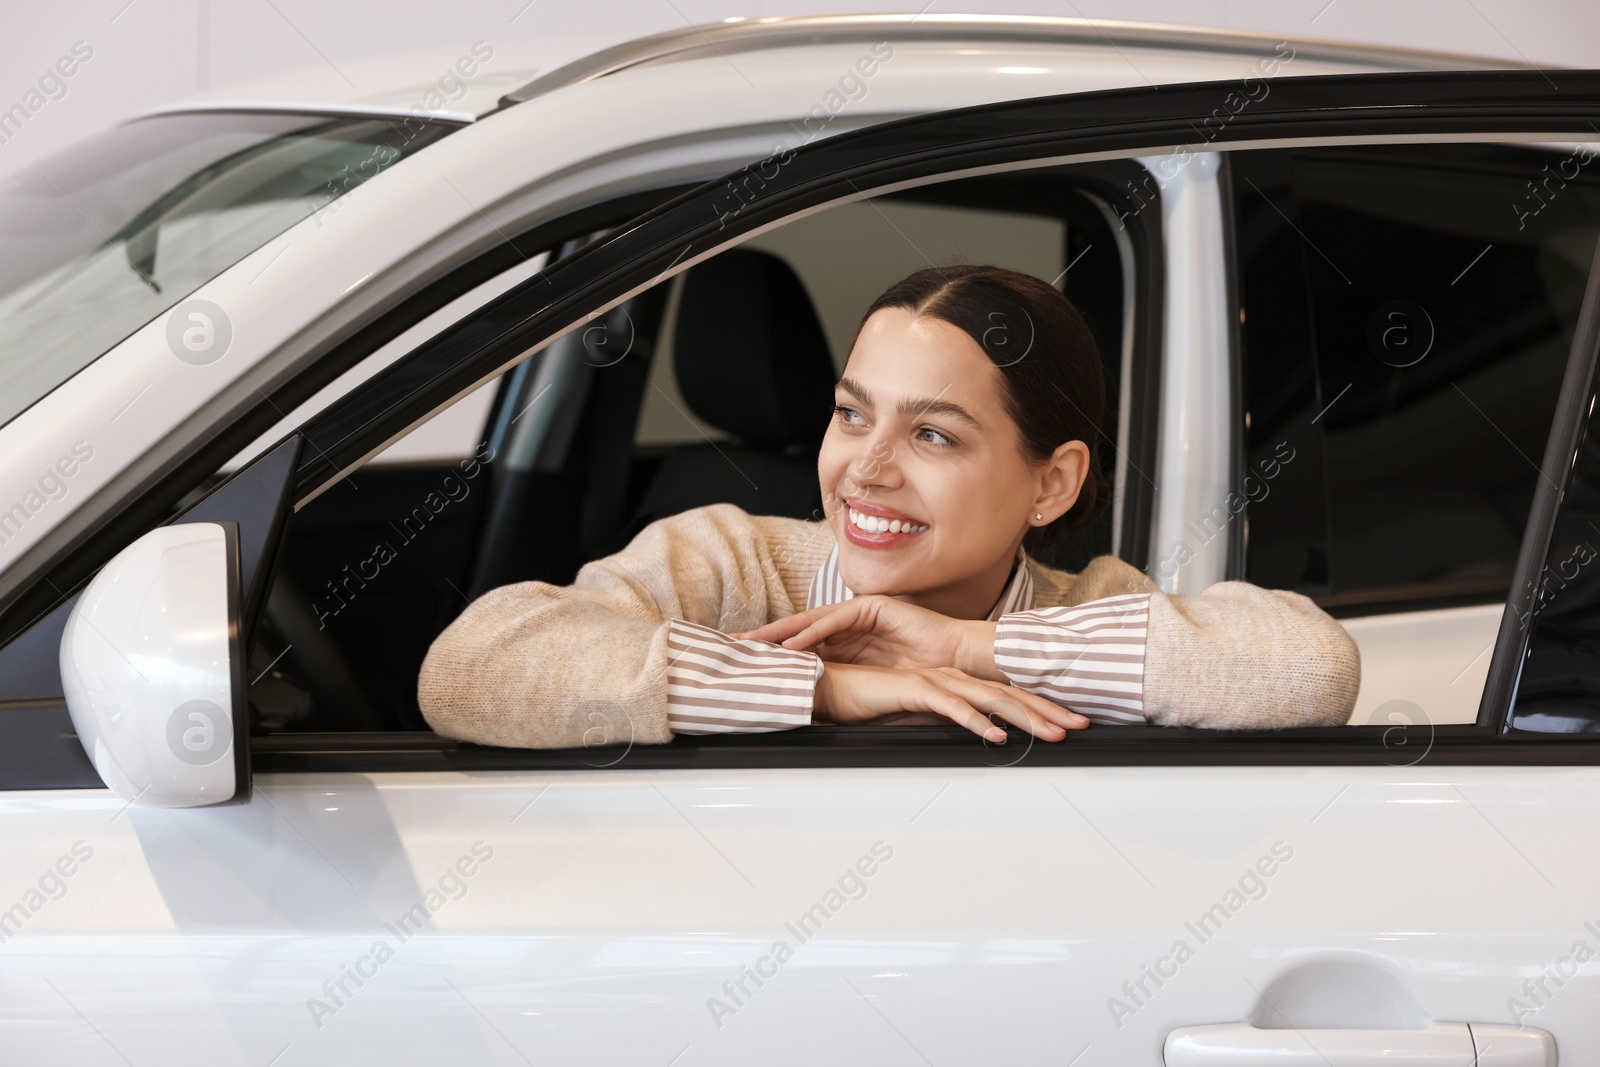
(1089, 658)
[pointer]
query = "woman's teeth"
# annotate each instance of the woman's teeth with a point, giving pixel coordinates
(877, 524)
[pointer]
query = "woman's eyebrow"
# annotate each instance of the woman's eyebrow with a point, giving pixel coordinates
(914, 406)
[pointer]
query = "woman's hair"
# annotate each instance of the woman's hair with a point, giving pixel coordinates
(1054, 381)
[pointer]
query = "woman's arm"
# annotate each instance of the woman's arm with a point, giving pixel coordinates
(719, 685)
(1235, 656)
(633, 642)
(1239, 657)
(1109, 644)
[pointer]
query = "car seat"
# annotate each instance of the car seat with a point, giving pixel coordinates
(751, 359)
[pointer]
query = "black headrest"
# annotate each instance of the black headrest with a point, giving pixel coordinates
(749, 353)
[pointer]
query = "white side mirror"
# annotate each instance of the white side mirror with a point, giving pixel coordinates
(151, 667)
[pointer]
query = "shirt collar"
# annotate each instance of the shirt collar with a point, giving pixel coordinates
(827, 586)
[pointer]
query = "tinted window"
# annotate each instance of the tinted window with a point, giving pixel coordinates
(1406, 313)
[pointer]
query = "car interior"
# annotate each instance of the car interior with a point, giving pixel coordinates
(716, 385)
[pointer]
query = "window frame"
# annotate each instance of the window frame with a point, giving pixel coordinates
(1140, 260)
(896, 157)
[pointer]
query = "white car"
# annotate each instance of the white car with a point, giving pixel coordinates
(286, 381)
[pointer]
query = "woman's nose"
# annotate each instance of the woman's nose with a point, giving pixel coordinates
(875, 462)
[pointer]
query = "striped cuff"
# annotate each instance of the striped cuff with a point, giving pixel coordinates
(1089, 658)
(717, 685)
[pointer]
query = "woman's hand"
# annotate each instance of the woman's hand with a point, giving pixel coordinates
(854, 693)
(881, 631)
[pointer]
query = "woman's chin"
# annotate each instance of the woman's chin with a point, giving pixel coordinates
(872, 571)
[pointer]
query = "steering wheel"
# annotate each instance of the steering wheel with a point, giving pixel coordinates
(341, 703)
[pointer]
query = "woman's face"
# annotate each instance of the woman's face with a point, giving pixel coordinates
(920, 437)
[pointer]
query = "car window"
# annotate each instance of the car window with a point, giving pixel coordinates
(591, 438)
(105, 236)
(1406, 313)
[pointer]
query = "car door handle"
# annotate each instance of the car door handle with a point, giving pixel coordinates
(1440, 1045)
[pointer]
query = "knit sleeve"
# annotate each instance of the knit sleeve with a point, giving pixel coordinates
(1235, 656)
(537, 665)
(1239, 657)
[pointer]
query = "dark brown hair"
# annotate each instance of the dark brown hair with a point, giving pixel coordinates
(1054, 380)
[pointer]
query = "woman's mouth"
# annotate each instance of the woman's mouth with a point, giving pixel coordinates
(879, 531)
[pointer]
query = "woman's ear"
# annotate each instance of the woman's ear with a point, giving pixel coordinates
(1060, 481)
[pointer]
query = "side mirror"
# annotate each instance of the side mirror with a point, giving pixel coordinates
(152, 669)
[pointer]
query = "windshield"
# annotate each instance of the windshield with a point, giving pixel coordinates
(104, 237)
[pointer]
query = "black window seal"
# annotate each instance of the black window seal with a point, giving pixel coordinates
(936, 746)
(1372, 601)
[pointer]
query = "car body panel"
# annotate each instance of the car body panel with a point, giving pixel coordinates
(612, 906)
(1435, 660)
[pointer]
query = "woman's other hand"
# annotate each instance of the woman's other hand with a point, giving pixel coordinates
(856, 693)
(882, 631)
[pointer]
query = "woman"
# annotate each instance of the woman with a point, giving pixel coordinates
(964, 435)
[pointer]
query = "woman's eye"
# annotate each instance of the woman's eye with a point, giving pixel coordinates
(844, 414)
(937, 438)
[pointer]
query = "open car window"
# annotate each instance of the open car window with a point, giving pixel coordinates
(627, 421)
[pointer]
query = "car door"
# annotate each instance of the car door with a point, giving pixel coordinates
(928, 897)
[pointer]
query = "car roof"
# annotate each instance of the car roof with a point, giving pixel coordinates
(519, 70)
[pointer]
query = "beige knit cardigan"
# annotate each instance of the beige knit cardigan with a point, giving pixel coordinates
(537, 665)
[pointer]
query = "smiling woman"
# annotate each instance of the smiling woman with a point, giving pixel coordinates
(964, 437)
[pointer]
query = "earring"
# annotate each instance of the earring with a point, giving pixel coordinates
(1038, 515)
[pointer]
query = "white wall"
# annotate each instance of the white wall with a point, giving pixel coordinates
(146, 52)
